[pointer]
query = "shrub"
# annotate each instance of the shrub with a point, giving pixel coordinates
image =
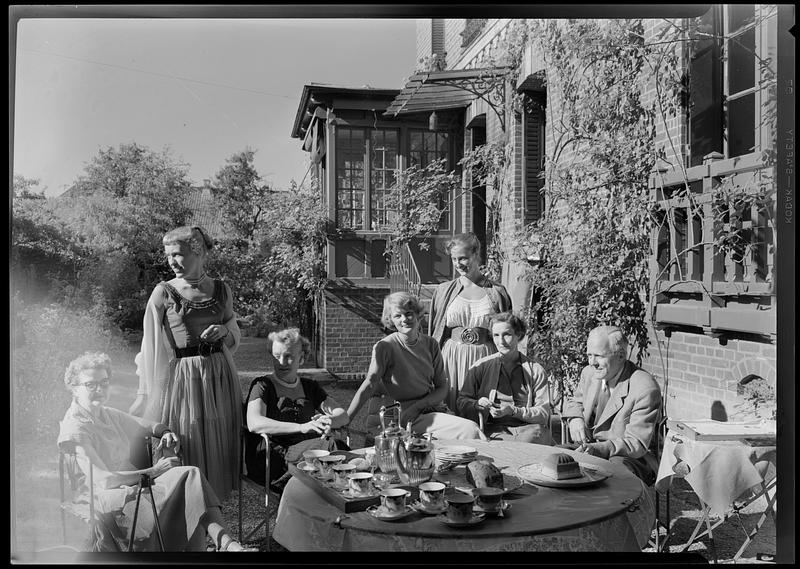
(45, 338)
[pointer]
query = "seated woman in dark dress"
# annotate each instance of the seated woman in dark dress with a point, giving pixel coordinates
(294, 411)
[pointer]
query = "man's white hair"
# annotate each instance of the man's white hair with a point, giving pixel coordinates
(617, 339)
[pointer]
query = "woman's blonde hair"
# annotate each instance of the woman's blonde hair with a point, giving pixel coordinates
(194, 236)
(290, 337)
(89, 360)
(468, 240)
(404, 301)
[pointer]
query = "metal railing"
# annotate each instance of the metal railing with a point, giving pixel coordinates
(403, 272)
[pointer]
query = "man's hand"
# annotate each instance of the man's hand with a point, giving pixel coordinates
(593, 449)
(484, 402)
(578, 431)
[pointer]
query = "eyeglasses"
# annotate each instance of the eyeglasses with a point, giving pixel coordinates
(95, 385)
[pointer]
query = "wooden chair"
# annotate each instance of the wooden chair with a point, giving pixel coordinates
(77, 497)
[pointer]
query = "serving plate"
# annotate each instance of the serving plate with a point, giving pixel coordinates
(591, 475)
(381, 513)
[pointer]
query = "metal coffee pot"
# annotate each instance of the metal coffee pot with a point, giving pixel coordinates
(388, 440)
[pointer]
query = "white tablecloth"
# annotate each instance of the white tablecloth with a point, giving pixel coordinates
(719, 471)
(615, 515)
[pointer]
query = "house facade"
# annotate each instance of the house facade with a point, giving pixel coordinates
(713, 307)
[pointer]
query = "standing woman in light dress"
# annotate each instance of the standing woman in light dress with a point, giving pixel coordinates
(460, 312)
(187, 377)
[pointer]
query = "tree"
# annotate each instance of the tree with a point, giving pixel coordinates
(45, 257)
(119, 209)
(272, 250)
(241, 196)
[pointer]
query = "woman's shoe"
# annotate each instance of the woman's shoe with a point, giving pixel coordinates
(233, 545)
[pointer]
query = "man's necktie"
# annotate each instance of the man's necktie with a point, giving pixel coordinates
(602, 399)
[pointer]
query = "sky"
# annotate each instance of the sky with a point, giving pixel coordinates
(204, 88)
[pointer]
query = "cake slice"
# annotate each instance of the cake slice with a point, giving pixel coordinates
(561, 466)
(482, 474)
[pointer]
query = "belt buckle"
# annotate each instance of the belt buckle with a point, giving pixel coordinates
(205, 349)
(470, 336)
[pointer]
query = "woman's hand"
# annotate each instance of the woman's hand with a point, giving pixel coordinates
(314, 426)
(214, 333)
(324, 420)
(504, 410)
(410, 414)
(164, 464)
(169, 440)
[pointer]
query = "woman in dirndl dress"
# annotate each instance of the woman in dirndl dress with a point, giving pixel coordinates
(187, 377)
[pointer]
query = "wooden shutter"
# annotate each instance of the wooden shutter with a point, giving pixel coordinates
(705, 88)
(533, 153)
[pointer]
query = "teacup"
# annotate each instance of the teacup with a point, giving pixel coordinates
(312, 456)
(488, 499)
(383, 479)
(394, 499)
(326, 463)
(340, 474)
(431, 494)
(459, 507)
(360, 483)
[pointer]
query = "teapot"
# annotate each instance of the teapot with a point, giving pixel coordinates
(415, 458)
(387, 441)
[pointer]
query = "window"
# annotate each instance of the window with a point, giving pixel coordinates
(365, 163)
(424, 148)
(730, 74)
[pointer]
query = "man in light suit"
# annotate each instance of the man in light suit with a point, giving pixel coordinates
(616, 406)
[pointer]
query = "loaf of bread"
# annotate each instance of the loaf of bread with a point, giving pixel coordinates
(560, 466)
(482, 474)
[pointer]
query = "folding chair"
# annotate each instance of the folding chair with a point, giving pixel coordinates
(766, 486)
(78, 498)
(244, 478)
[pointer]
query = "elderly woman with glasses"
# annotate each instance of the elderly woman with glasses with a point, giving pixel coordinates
(107, 438)
(187, 377)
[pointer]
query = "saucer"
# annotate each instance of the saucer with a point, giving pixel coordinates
(476, 519)
(379, 512)
(348, 493)
(321, 477)
(303, 466)
(478, 509)
(426, 510)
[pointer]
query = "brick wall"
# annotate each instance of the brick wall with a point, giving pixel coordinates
(704, 374)
(350, 327)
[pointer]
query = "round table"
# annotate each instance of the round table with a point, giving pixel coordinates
(616, 514)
